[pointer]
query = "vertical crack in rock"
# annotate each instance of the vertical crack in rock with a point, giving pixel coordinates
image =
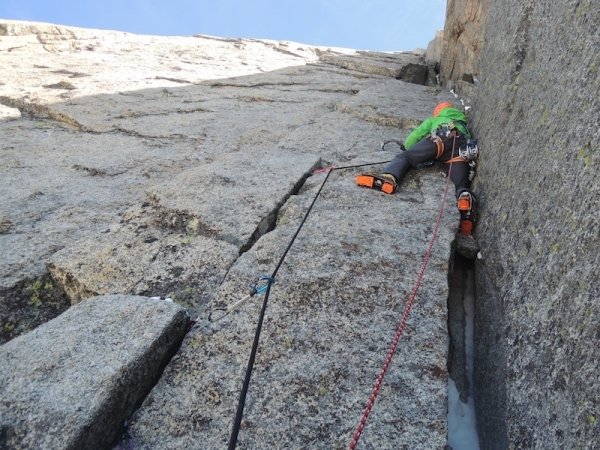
(456, 327)
(522, 38)
(219, 212)
(490, 383)
(462, 432)
(269, 222)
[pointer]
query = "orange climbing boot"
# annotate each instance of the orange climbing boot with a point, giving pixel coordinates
(384, 182)
(466, 227)
(466, 207)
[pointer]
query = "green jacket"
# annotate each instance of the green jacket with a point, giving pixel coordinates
(429, 126)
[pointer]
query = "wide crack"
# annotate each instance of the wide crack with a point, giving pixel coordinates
(462, 432)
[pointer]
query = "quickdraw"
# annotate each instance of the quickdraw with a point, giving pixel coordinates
(471, 151)
(467, 154)
(255, 290)
(242, 400)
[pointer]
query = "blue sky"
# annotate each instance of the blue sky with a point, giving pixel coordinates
(360, 24)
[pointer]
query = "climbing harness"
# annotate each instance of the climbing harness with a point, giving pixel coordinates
(439, 144)
(392, 349)
(444, 131)
(255, 290)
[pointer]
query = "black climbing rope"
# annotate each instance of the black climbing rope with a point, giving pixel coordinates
(351, 167)
(242, 399)
(267, 289)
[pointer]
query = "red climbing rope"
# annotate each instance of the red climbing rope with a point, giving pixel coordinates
(392, 350)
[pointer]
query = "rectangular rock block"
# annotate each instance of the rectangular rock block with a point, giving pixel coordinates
(406, 67)
(72, 382)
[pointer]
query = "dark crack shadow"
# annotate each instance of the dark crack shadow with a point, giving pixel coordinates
(269, 222)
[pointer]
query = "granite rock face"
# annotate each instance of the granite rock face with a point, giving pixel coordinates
(435, 47)
(72, 382)
(75, 160)
(329, 323)
(463, 41)
(181, 167)
(50, 63)
(407, 67)
(536, 115)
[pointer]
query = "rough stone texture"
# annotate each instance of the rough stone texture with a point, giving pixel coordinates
(61, 55)
(7, 112)
(435, 48)
(144, 259)
(134, 184)
(331, 316)
(467, 246)
(463, 39)
(112, 140)
(536, 118)
(407, 67)
(186, 234)
(490, 369)
(73, 381)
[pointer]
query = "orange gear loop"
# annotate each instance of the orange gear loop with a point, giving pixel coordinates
(457, 159)
(439, 144)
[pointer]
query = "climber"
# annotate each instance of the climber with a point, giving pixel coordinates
(439, 137)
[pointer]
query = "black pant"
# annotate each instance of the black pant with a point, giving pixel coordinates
(427, 150)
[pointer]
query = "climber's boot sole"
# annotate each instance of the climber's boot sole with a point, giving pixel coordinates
(466, 227)
(376, 182)
(466, 207)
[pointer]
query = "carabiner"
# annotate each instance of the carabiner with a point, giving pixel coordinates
(260, 290)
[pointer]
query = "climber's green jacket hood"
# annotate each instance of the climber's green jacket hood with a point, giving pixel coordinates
(429, 126)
